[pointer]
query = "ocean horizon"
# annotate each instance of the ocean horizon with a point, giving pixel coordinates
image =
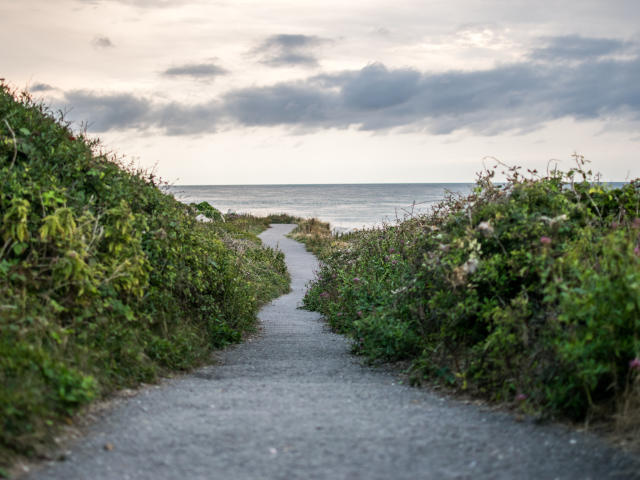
(346, 206)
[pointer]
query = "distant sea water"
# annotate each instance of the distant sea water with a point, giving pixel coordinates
(345, 206)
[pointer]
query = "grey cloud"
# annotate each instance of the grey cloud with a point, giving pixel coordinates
(285, 104)
(289, 49)
(517, 97)
(102, 42)
(177, 119)
(104, 112)
(41, 87)
(375, 87)
(510, 97)
(196, 70)
(108, 112)
(290, 41)
(377, 98)
(574, 47)
(598, 89)
(291, 58)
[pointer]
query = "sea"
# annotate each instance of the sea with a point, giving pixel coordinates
(345, 206)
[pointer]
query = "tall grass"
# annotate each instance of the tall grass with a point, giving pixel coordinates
(315, 234)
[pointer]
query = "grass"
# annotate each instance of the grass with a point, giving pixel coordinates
(106, 281)
(313, 233)
(525, 293)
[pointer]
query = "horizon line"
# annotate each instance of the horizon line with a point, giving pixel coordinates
(341, 183)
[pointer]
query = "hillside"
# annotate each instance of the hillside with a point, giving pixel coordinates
(106, 281)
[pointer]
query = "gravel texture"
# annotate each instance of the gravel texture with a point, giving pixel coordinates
(294, 403)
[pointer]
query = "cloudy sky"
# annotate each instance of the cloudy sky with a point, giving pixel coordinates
(334, 91)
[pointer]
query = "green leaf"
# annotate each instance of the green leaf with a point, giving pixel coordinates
(56, 306)
(19, 247)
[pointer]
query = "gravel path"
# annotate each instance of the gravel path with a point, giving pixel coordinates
(293, 403)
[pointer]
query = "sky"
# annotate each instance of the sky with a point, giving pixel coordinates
(207, 92)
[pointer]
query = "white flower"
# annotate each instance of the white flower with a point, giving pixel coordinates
(486, 228)
(554, 220)
(471, 265)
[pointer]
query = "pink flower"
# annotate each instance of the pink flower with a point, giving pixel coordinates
(635, 364)
(392, 250)
(637, 250)
(360, 313)
(545, 240)
(393, 262)
(356, 280)
(521, 397)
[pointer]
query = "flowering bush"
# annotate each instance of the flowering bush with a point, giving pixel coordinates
(526, 291)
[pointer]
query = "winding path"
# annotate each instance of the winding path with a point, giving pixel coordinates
(294, 404)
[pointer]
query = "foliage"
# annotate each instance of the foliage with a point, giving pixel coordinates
(526, 291)
(208, 210)
(315, 234)
(283, 218)
(106, 281)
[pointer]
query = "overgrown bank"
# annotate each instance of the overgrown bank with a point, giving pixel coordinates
(526, 292)
(106, 281)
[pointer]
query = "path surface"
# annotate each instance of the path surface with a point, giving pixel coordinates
(294, 404)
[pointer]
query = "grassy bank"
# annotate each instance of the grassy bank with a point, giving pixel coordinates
(526, 293)
(315, 234)
(106, 281)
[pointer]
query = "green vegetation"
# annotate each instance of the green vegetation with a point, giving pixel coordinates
(315, 234)
(526, 292)
(106, 281)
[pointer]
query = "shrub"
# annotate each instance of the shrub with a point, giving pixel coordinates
(315, 234)
(106, 281)
(526, 290)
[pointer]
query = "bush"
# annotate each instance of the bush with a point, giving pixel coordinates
(106, 281)
(315, 234)
(208, 211)
(524, 292)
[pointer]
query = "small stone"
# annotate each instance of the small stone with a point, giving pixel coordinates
(108, 446)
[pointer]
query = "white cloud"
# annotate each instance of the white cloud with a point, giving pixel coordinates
(464, 67)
